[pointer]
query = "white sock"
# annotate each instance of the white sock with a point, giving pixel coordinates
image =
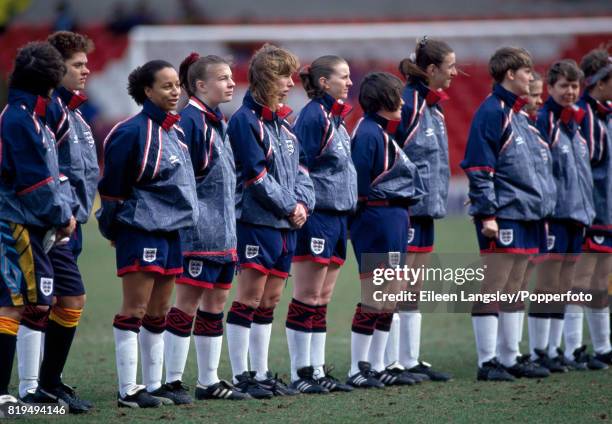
(317, 353)
(554, 337)
(485, 332)
(392, 350)
(572, 329)
(521, 324)
(360, 348)
(508, 337)
(238, 347)
(259, 343)
(28, 358)
(208, 351)
(377, 350)
(152, 358)
(176, 349)
(539, 329)
(409, 338)
(126, 356)
(599, 327)
(299, 350)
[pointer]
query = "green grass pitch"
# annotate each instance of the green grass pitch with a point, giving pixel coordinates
(447, 342)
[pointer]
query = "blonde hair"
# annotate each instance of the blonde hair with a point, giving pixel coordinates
(266, 66)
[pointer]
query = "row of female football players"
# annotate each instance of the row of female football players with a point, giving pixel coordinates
(250, 188)
(190, 201)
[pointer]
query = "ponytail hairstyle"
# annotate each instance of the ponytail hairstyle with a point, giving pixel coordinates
(144, 76)
(267, 65)
(194, 68)
(427, 52)
(323, 66)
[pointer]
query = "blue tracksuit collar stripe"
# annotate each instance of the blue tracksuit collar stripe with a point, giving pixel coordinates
(17, 96)
(389, 126)
(326, 100)
(64, 94)
(215, 114)
(264, 112)
(507, 96)
(250, 102)
(420, 86)
(154, 112)
(554, 107)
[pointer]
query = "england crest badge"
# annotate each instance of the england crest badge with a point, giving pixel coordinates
(250, 251)
(317, 245)
(195, 268)
(394, 259)
(149, 254)
(506, 237)
(46, 286)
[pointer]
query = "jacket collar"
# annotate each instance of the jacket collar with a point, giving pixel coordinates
(165, 120)
(514, 101)
(215, 115)
(567, 114)
(601, 109)
(432, 97)
(32, 102)
(265, 112)
(389, 126)
(72, 99)
(336, 107)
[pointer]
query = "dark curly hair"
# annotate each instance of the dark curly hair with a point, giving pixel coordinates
(380, 91)
(38, 69)
(68, 43)
(144, 76)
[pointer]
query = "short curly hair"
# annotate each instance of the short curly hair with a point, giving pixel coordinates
(38, 69)
(68, 43)
(144, 76)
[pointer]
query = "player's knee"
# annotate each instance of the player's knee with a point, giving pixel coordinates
(309, 297)
(72, 302)
(158, 309)
(270, 301)
(12, 312)
(136, 310)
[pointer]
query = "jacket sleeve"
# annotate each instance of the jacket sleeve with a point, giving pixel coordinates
(118, 176)
(304, 188)
(364, 148)
(479, 164)
(246, 140)
(310, 128)
(34, 183)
